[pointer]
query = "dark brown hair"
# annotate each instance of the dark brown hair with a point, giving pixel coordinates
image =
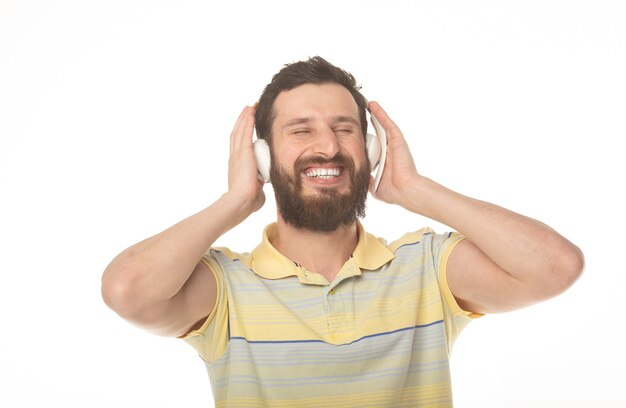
(315, 70)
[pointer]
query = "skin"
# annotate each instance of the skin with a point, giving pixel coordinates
(332, 126)
(508, 261)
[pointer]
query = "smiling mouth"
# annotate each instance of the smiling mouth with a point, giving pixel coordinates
(321, 173)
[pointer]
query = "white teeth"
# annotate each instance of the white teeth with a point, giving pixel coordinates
(325, 173)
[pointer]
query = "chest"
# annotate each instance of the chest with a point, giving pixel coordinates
(396, 297)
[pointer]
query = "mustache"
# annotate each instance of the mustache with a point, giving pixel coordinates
(339, 159)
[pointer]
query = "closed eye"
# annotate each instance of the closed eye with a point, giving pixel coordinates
(344, 131)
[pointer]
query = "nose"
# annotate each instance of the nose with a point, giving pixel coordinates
(326, 143)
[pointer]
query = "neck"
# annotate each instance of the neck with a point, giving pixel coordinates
(319, 252)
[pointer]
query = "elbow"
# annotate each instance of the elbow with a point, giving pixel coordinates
(567, 268)
(119, 292)
(124, 291)
(115, 292)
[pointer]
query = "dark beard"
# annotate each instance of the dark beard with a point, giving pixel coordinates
(326, 211)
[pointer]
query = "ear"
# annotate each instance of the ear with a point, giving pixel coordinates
(263, 161)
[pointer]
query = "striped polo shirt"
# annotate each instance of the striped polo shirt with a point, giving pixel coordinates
(378, 335)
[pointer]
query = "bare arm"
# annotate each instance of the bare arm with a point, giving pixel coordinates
(508, 261)
(160, 284)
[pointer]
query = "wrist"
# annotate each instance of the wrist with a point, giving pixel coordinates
(238, 203)
(420, 196)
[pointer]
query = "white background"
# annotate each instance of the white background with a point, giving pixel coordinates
(114, 124)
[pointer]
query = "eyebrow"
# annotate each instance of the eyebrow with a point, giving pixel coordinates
(297, 121)
(349, 119)
(336, 120)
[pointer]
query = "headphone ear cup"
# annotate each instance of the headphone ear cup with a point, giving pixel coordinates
(372, 145)
(262, 155)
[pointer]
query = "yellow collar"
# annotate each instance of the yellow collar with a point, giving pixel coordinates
(265, 260)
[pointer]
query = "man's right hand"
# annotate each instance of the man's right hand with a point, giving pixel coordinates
(160, 283)
(243, 180)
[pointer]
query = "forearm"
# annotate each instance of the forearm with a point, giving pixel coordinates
(509, 260)
(156, 269)
(523, 247)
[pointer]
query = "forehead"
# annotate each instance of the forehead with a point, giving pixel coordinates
(323, 101)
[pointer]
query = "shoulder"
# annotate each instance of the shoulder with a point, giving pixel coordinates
(411, 238)
(224, 256)
(428, 238)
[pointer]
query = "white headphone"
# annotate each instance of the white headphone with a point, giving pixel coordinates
(376, 147)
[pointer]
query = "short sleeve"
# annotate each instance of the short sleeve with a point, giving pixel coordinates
(455, 318)
(211, 339)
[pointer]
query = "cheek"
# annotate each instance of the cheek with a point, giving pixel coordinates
(358, 153)
(286, 158)
(285, 162)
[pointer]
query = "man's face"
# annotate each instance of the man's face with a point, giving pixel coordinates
(319, 171)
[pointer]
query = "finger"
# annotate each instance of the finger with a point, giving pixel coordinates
(248, 129)
(244, 123)
(235, 130)
(384, 119)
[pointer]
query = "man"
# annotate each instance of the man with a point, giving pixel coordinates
(322, 313)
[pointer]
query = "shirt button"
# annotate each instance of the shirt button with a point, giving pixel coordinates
(332, 291)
